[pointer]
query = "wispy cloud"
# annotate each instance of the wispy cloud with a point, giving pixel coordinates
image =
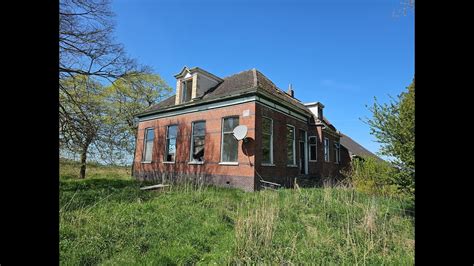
(336, 85)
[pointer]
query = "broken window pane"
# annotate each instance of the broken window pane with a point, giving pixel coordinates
(171, 143)
(290, 145)
(198, 140)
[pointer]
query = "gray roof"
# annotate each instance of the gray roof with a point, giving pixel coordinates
(245, 82)
(355, 148)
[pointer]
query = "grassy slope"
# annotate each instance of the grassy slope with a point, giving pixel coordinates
(110, 221)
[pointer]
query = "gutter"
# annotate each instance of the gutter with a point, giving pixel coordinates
(255, 92)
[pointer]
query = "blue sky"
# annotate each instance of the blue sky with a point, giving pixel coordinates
(341, 53)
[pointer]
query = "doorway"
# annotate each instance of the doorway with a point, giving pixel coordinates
(303, 162)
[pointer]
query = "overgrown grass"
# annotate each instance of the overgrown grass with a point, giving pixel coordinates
(70, 170)
(110, 221)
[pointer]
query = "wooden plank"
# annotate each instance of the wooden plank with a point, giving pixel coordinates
(154, 186)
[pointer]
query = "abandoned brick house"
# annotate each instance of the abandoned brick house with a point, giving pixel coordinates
(191, 134)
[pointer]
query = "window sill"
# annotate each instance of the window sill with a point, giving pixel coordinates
(195, 162)
(169, 162)
(267, 164)
(291, 165)
(229, 163)
(312, 161)
(146, 162)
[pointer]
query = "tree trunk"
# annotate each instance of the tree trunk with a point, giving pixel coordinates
(82, 174)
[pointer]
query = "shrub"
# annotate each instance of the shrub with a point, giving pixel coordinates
(371, 176)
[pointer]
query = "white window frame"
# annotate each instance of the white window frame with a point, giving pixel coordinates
(326, 149)
(294, 146)
(167, 144)
(144, 145)
(191, 159)
(315, 146)
(222, 142)
(271, 141)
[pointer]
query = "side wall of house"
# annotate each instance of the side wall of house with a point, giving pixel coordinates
(239, 176)
(282, 173)
(279, 172)
(328, 168)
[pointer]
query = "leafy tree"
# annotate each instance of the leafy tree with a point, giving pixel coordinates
(393, 125)
(81, 115)
(126, 97)
(97, 119)
(372, 176)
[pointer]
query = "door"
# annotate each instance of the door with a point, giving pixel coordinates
(303, 163)
(302, 158)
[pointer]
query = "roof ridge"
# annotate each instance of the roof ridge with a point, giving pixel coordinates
(255, 78)
(238, 73)
(278, 89)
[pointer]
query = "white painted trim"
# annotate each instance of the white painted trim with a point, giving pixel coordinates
(214, 105)
(229, 163)
(166, 162)
(267, 164)
(147, 162)
(205, 107)
(196, 162)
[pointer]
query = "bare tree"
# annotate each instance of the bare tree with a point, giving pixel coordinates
(86, 44)
(406, 6)
(90, 112)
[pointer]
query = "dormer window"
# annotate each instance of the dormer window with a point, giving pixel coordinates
(192, 83)
(186, 90)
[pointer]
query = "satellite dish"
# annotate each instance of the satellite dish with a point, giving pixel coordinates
(240, 132)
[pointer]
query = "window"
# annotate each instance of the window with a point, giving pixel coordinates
(267, 140)
(171, 135)
(149, 136)
(326, 149)
(229, 145)
(186, 90)
(337, 149)
(290, 145)
(197, 141)
(312, 148)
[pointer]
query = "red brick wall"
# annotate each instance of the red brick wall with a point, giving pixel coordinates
(241, 175)
(245, 175)
(280, 172)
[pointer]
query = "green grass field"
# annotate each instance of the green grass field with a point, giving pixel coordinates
(107, 220)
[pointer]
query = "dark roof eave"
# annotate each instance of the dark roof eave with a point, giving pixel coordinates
(186, 105)
(246, 93)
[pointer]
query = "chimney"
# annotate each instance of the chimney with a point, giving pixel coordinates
(290, 91)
